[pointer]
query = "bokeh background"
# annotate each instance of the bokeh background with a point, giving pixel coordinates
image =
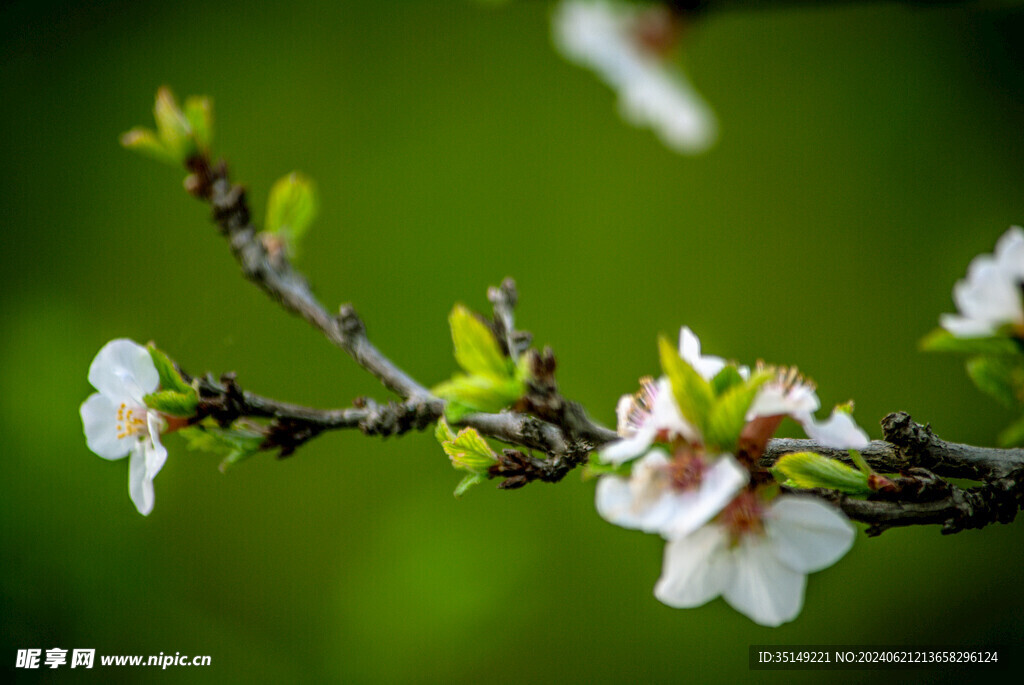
(867, 153)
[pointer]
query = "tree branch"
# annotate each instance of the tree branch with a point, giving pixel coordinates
(272, 272)
(544, 420)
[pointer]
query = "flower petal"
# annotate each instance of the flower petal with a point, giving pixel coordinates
(645, 501)
(99, 419)
(695, 508)
(775, 399)
(124, 370)
(689, 349)
(156, 453)
(763, 588)
(632, 447)
(839, 431)
(140, 488)
(963, 327)
(697, 568)
(807, 535)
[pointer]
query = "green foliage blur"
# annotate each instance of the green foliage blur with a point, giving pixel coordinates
(866, 155)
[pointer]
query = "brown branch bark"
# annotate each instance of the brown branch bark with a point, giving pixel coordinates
(546, 421)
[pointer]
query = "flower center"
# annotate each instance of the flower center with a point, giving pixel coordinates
(130, 423)
(687, 469)
(743, 516)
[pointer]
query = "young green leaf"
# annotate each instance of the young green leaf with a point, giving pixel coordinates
(469, 452)
(291, 208)
(941, 340)
(728, 415)
(812, 470)
(467, 394)
(172, 126)
(199, 113)
(170, 378)
(692, 393)
(233, 444)
(725, 379)
(999, 378)
(1013, 435)
(442, 432)
(476, 349)
(172, 402)
(468, 481)
(145, 142)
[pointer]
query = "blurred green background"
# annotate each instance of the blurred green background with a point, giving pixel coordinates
(867, 153)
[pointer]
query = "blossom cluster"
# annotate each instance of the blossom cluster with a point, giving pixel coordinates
(697, 484)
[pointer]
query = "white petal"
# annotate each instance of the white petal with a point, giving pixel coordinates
(693, 509)
(689, 349)
(140, 488)
(645, 501)
(807, 535)
(1010, 253)
(123, 370)
(988, 293)
(963, 327)
(776, 400)
(696, 569)
(839, 431)
(99, 419)
(622, 411)
(763, 588)
(617, 503)
(663, 98)
(632, 447)
(665, 415)
(156, 453)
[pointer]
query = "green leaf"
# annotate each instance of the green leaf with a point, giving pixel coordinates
(999, 378)
(467, 394)
(941, 340)
(725, 379)
(467, 482)
(476, 349)
(172, 402)
(291, 208)
(145, 142)
(595, 467)
(470, 452)
(692, 393)
(442, 432)
(728, 415)
(170, 378)
(199, 114)
(812, 470)
(1013, 435)
(233, 444)
(172, 126)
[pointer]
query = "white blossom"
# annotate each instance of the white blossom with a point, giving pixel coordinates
(673, 497)
(117, 421)
(608, 38)
(756, 556)
(990, 297)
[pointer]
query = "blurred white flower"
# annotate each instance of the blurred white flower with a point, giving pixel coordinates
(627, 46)
(756, 555)
(117, 421)
(673, 497)
(647, 417)
(990, 297)
(839, 431)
